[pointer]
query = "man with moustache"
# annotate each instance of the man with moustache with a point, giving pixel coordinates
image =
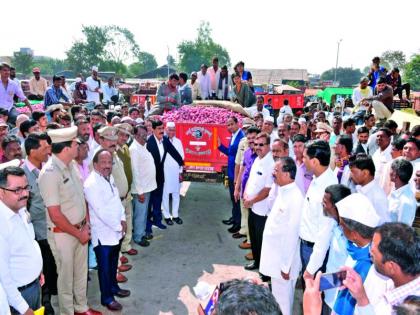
(107, 217)
(159, 146)
(38, 147)
(361, 146)
(68, 222)
(20, 256)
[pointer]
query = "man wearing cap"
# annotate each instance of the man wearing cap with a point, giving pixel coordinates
(173, 173)
(358, 228)
(204, 80)
(382, 101)
(37, 86)
(54, 94)
(68, 221)
(268, 127)
(9, 90)
(93, 84)
(124, 132)
(195, 87)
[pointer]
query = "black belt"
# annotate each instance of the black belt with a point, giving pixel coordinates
(309, 244)
(20, 289)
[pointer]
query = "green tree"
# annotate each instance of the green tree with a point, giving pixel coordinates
(50, 66)
(22, 62)
(201, 50)
(146, 62)
(412, 72)
(171, 61)
(114, 66)
(394, 58)
(121, 45)
(346, 76)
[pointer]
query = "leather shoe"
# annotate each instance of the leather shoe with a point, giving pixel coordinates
(114, 306)
(121, 278)
(234, 229)
(228, 221)
(160, 225)
(169, 222)
(148, 237)
(251, 266)
(249, 256)
(123, 260)
(131, 252)
(143, 242)
(238, 235)
(89, 312)
(245, 245)
(123, 293)
(178, 220)
(124, 268)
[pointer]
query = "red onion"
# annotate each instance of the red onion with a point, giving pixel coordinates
(201, 114)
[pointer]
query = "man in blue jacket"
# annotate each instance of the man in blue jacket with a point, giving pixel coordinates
(230, 151)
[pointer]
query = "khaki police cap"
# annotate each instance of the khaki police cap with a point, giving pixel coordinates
(109, 133)
(124, 127)
(62, 134)
(54, 107)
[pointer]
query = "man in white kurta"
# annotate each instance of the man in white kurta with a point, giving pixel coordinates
(172, 184)
(93, 87)
(280, 258)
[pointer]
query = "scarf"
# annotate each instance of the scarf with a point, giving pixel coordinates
(220, 87)
(341, 170)
(345, 303)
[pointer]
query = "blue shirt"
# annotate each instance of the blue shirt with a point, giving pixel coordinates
(53, 96)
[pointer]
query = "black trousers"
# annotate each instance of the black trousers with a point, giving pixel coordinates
(256, 224)
(49, 269)
(398, 90)
(236, 206)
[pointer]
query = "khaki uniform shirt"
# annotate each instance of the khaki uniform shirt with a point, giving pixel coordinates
(124, 154)
(242, 146)
(60, 185)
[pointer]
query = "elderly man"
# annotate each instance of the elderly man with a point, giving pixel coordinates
(255, 196)
(173, 173)
(316, 228)
(280, 257)
(107, 217)
(358, 228)
(382, 155)
(93, 84)
(10, 89)
(144, 182)
(37, 85)
(68, 228)
(20, 256)
(124, 132)
(37, 147)
(110, 92)
(402, 201)
(230, 151)
(268, 128)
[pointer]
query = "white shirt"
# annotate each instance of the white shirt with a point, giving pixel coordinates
(377, 197)
(172, 169)
(144, 177)
(105, 209)
(285, 109)
(93, 146)
(4, 305)
(204, 81)
(380, 159)
(232, 139)
(359, 94)
(92, 96)
(20, 255)
(291, 151)
(214, 78)
(402, 205)
(160, 147)
(260, 177)
(315, 226)
(253, 110)
(280, 246)
(109, 91)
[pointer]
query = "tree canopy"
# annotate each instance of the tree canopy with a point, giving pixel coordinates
(346, 76)
(394, 58)
(193, 53)
(22, 62)
(412, 72)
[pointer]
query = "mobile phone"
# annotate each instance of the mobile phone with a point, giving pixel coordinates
(332, 280)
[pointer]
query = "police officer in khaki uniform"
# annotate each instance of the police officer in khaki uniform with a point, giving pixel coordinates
(108, 141)
(68, 222)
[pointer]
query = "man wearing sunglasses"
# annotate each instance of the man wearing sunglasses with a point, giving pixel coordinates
(20, 256)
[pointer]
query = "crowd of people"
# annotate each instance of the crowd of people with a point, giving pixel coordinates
(323, 192)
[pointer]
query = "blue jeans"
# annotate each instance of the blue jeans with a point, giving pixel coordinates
(107, 271)
(305, 254)
(155, 206)
(32, 296)
(140, 216)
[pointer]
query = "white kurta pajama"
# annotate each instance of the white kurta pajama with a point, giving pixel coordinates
(280, 248)
(172, 184)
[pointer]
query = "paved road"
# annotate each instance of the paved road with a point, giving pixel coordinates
(164, 273)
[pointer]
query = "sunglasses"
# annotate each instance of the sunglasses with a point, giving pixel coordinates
(260, 144)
